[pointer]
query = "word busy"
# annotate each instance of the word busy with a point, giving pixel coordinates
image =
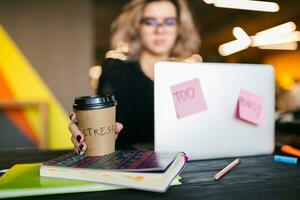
(252, 105)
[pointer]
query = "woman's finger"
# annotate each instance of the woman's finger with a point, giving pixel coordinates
(75, 142)
(119, 127)
(73, 117)
(76, 150)
(82, 148)
(76, 132)
(79, 148)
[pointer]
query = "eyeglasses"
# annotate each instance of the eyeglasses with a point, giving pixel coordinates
(152, 22)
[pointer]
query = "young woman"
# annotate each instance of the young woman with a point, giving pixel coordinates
(148, 31)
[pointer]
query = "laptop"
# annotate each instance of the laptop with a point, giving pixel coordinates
(218, 125)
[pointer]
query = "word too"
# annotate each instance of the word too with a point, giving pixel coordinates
(183, 95)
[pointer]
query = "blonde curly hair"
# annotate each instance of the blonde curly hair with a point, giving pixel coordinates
(125, 29)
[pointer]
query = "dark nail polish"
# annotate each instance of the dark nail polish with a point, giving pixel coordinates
(70, 116)
(80, 146)
(78, 138)
(78, 152)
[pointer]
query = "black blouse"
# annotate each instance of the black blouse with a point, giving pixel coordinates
(135, 96)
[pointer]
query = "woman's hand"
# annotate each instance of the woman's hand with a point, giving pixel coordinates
(78, 138)
(194, 58)
(121, 51)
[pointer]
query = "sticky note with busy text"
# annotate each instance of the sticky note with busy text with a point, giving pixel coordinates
(188, 98)
(250, 107)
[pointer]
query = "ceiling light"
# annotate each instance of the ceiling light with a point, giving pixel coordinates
(209, 1)
(248, 5)
(232, 47)
(241, 35)
(259, 40)
(279, 30)
(284, 46)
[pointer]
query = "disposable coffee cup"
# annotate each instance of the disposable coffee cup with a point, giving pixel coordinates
(96, 117)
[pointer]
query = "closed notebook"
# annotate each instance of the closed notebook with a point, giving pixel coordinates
(24, 180)
(145, 170)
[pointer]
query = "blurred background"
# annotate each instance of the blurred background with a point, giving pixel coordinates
(58, 41)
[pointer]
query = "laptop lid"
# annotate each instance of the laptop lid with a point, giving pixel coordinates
(232, 113)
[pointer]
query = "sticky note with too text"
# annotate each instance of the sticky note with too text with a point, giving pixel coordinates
(188, 98)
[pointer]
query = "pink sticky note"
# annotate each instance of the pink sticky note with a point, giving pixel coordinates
(250, 107)
(188, 98)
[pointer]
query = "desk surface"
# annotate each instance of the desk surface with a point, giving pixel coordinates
(254, 178)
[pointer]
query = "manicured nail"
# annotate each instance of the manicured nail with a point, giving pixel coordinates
(80, 146)
(78, 138)
(70, 116)
(78, 152)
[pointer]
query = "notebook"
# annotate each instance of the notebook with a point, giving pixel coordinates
(214, 110)
(143, 170)
(24, 180)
